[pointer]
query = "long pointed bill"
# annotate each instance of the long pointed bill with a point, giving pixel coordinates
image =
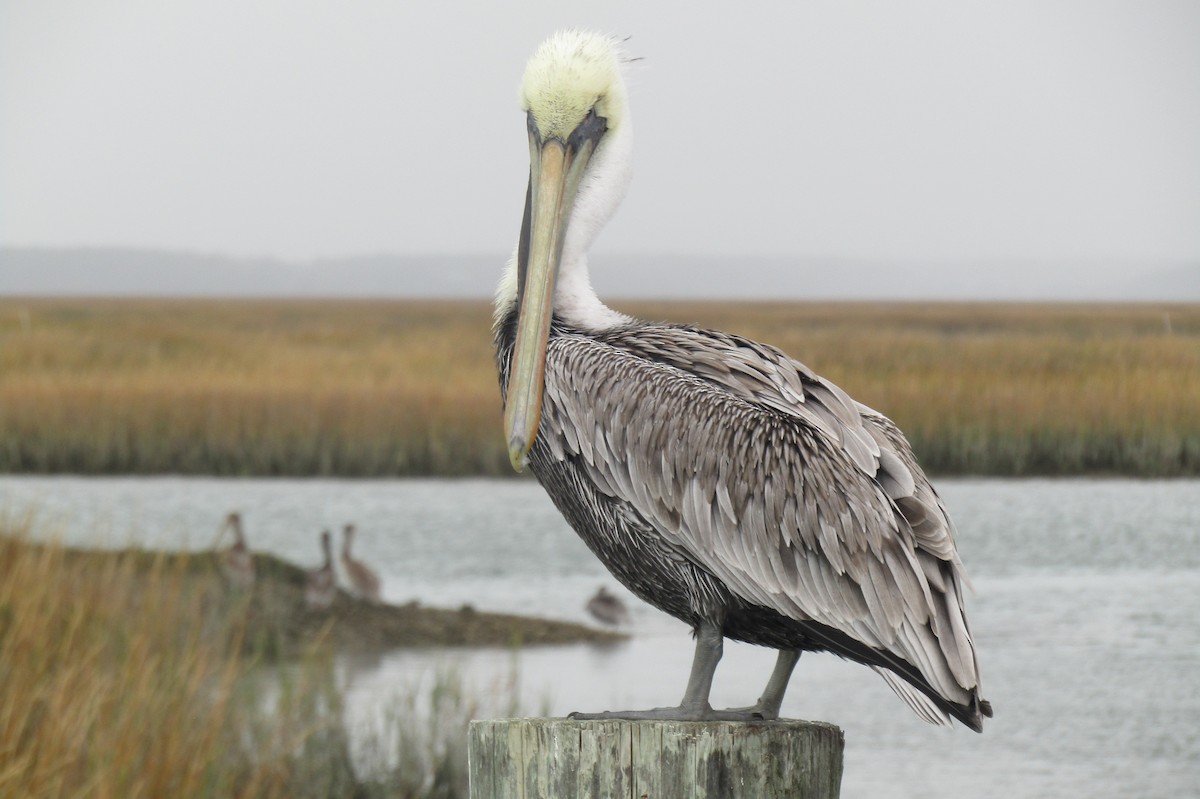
(554, 173)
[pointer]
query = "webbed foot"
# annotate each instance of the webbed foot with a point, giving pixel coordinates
(680, 713)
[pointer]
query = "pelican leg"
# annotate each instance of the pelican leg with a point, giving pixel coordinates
(767, 707)
(695, 706)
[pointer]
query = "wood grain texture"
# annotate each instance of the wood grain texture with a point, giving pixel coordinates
(561, 758)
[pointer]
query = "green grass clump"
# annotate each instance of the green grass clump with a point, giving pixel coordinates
(394, 388)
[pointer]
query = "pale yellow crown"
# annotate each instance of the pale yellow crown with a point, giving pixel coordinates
(573, 72)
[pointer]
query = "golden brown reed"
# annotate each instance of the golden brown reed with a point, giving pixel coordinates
(122, 674)
(408, 387)
(108, 685)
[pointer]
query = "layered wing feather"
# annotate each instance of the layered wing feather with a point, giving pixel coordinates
(774, 480)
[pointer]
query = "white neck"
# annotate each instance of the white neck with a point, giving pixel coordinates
(576, 302)
(600, 193)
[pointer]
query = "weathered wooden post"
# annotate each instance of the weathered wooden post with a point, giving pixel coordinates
(563, 758)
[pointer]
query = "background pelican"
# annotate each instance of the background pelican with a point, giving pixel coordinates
(320, 584)
(237, 562)
(715, 477)
(363, 579)
(607, 608)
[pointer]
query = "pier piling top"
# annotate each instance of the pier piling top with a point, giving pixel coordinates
(541, 758)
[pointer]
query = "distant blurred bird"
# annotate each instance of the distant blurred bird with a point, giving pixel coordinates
(320, 585)
(608, 608)
(237, 562)
(363, 579)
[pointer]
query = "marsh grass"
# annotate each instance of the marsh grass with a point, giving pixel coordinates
(370, 388)
(124, 675)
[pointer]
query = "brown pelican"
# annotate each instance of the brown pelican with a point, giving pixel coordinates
(237, 562)
(363, 580)
(715, 477)
(607, 608)
(320, 584)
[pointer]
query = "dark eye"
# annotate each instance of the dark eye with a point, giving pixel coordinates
(592, 127)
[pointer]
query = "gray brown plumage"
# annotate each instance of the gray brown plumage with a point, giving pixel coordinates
(716, 477)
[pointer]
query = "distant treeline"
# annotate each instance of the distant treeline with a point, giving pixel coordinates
(406, 388)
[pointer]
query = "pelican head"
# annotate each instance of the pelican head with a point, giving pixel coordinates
(573, 74)
(573, 96)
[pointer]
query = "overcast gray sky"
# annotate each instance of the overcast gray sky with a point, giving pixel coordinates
(885, 130)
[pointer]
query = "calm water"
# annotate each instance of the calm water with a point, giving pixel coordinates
(1086, 616)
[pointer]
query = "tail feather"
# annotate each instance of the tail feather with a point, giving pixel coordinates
(921, 704)
(903, 678)
(930, 709)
